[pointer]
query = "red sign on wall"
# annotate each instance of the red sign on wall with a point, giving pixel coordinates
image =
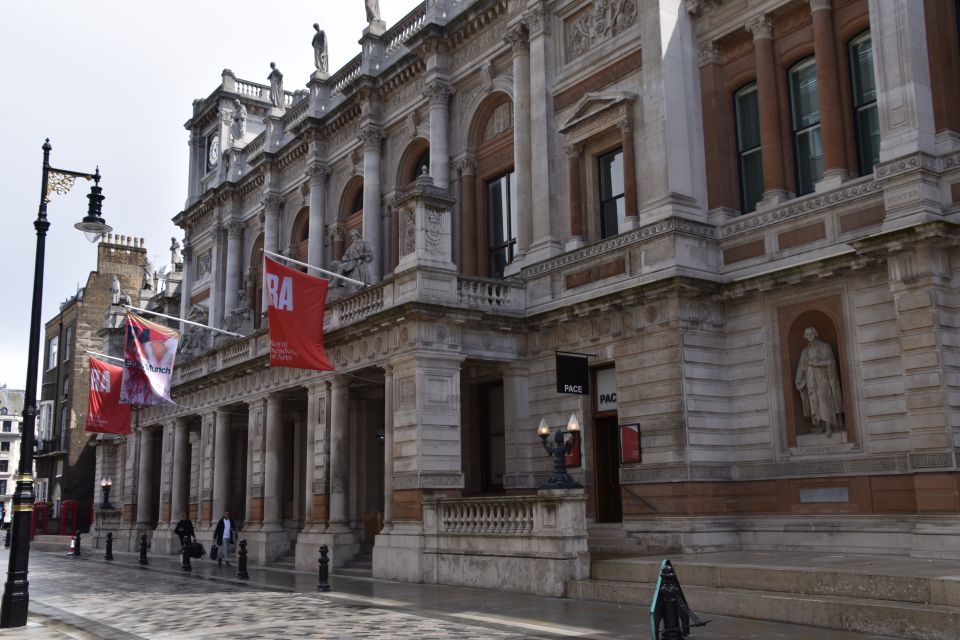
(630, 443)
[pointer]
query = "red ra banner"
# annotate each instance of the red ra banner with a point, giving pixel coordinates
(295, 304)
(105, 414)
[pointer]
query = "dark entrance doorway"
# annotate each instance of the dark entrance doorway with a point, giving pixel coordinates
(607, 449)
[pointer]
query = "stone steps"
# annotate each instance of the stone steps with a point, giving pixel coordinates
(360, 566)
(613, 539)
(872, 601)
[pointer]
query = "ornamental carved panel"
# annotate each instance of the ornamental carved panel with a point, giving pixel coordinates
(603, 21)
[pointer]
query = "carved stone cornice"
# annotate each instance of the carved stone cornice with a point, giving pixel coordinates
(438, 93)
(760, 25)
(372, 138)
(708, 53)
(519, 40)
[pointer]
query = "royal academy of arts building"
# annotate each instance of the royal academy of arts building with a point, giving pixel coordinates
(743, 212)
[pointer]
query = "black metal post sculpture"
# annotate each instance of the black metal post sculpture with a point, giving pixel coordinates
(143, 549)
(109, 553)
(323, 583)
(242, 561)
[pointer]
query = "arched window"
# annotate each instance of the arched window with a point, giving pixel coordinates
(351, 214)
(300, 237)
(749, 155)
(805, 121)
(490, 216)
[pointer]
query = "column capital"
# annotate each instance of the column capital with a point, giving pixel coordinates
(537, 20)
(274, 399)
(625, 126)
(572, 151)
(438, 93)
(818, 5)
(708, 53)
(760, 25)
(235, 230)
(271, 202)
(219, 232)
(338, 383)
(519, 40)
(317, 173)
(466, 166)
(371, 136)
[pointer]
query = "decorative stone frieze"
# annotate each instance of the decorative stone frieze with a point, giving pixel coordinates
(603, 22)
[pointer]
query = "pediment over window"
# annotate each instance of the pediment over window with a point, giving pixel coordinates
(595, 112)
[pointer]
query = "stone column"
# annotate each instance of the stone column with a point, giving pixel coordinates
(545, 232)
(438, 93)
(272, 470)
(195, 144)
(339, 451)
(902, 71)
(166, 475)
(774, 186)
(234, 260)
(254, 504)
(217, 279)
(317, 174)
(179, 492)
(470, 223)
(271, 222)
(186, 286)
(205, 496)
(145, 478)
(631, 214)
(517, 428)
(221, 464)
(519, 45)
(388, 448)
(372, 137)
(316, 410)
(573, 184)
(831, 111)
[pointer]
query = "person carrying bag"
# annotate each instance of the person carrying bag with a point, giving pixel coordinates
(224, 535)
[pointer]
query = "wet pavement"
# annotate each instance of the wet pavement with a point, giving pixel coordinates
(88, 597)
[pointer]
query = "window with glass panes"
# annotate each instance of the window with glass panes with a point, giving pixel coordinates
(4, 446)
(502, 218)
(68, 343)
(805, 119)
(865, 103)
(7, 426)
(612, 208)
(52, 351)
(748, 146)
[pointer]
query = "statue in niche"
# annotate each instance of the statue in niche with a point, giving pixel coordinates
(239, 126)
(176, 257)
(193, 338)
(276, 86)
(353, 263)
(320, 49)
(818, 382)
(115, 291)
(373, 10)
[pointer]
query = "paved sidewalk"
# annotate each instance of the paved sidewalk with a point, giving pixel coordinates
(87, 597)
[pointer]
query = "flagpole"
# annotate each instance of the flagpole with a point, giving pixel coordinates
(310, 266)
(103, 355)
(196, 324)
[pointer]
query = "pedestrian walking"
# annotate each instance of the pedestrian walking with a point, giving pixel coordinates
(224, 535)
(184, 529)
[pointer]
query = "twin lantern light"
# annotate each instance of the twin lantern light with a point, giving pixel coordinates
(559, 449)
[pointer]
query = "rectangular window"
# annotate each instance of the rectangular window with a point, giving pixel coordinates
(45, 421)
(7, 426)
(3, 487)
(4, 466)
(52, 352)
(865, 114)
(60, 468)
(4, 446)
(612, 205)
(805, 113)
(748, 147)
(502, 219)
(66, 386)
(68, 343)
(40, 489)
(494, 451)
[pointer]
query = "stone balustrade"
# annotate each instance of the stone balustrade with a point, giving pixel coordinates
(346, 75)
(491, 296)
(396, 36)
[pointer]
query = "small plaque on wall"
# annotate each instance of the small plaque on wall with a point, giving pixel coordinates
(630, 443)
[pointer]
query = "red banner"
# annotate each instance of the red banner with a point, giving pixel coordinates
(148, 362)
(105, 414)
(295, 304)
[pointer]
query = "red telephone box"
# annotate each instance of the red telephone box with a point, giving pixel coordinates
(69, 511)
(38, 521)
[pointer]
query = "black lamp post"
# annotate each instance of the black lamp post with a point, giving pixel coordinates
(16, 596)
(560, 479)
(105, 485)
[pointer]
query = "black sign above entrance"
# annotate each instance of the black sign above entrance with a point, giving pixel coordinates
(573, 374)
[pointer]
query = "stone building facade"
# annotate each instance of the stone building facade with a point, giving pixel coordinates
(743, 211)
(11, 427)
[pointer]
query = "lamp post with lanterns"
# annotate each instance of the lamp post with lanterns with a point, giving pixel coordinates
(16, 596)
(559, 449)
(105, 485)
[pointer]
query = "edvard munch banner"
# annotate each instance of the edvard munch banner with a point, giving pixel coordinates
(105, 413)
(148, 362)
(295, 305)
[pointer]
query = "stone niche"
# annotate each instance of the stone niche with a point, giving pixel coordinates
(826, 316)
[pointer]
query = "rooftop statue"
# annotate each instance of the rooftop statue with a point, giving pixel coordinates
(373, 10)
(276, 86)
(320, 49)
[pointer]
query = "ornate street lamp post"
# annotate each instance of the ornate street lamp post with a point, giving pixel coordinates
(105, 485)
(16, 596)
(560, 479)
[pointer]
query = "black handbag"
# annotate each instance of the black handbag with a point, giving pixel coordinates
(213, 552)
(196, 550)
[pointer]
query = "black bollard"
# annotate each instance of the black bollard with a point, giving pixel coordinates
(671, 610)
(76, 544)
(323, 584)
(109, 554)
(143, 549)
(242, 561)
(185, 554)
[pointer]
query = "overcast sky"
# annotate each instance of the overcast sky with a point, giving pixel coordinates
(111, 84)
